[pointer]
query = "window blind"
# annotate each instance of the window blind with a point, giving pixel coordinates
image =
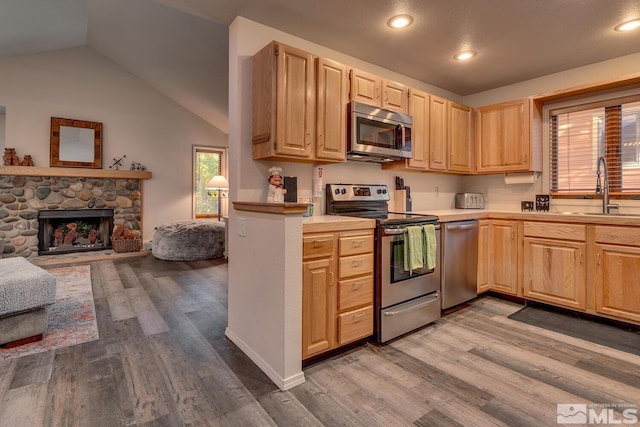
(580, 134)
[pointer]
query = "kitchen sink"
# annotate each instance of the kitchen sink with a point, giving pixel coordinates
(599, 214)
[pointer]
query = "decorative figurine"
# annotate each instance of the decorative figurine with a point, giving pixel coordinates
(276, 189)
(28, 161)
(117, 163)
(135, 166)
(10, 158)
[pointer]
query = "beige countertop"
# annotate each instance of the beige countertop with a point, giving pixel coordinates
(450, 215)
(324, 223)
(327, 222)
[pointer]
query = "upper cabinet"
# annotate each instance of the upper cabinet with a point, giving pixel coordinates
(331, 110)
(460, 138)
(373, 90)
(285, 99)
(504, 138)
(442, 135)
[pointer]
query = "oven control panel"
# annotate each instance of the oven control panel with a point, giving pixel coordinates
(355, 192)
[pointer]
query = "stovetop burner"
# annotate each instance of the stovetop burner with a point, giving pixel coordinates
(368, 201)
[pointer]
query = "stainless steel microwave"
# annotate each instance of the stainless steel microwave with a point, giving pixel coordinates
(378, 135)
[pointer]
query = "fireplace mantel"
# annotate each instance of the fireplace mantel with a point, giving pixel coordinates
(73, 172)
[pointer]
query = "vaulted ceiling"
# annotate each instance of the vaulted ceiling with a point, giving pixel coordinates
(515, 40)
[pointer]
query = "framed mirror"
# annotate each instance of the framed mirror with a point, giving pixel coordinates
(76, 143)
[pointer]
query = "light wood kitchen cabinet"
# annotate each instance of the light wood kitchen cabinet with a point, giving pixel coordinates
(283, 103)
(460, 138)
(617, 276)
(331, 110)
(374, 90)
(483, 256)
(318, 294)
(337, 289)
(498, 256)
(419, 110)
(504, 138)
(554, 263)
(437, 133)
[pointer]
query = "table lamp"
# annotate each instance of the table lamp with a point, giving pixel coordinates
(219, 183)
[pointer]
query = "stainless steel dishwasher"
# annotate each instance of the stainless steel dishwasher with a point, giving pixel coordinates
(458, 279)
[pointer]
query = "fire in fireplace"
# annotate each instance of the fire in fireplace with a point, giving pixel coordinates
(74, 230)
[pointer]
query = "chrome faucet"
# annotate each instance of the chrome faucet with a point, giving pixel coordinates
(604, 190)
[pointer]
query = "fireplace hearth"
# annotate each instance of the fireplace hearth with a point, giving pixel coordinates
(74, 230)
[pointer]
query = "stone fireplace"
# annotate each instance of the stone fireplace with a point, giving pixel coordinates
(87, 203)
(72, 230)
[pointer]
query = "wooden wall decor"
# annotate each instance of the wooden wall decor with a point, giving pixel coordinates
(75, 143)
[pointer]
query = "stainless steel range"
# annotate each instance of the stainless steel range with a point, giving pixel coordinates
(404, 300)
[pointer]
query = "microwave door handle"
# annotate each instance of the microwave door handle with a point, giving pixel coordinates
(400, 144)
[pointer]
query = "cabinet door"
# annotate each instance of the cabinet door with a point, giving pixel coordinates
(617, 279)
(503, 253)
(504, 142)
(295, 102)
(460, 137)
(437, 133)
(419, 110)
(483, 257)
(331, 113)
(554, 272)
(318, 307)
(394, 96)
(365, 87)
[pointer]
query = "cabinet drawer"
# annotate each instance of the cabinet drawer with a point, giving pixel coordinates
(317, 246)
(628, 236)
(355, 324)
(353, 245)
(355, 292)
(355, 265)
(549, 230)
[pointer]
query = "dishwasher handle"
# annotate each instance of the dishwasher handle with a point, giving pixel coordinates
(461, 227)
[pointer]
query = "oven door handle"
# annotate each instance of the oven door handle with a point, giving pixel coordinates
(398, 231)
(413, 307)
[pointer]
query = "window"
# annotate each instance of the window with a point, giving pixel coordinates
(208, 162)
(579, 135)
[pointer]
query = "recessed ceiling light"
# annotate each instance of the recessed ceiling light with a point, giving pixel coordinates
(464, 56)
(628, 26)
(400, 21)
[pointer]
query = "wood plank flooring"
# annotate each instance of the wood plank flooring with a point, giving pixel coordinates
(163, 360)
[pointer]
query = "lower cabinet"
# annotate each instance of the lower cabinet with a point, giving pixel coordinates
(617, 278)
(498, 256)
(337, 293)
(554, 270)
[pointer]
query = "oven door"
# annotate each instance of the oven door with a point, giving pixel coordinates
(398, 285)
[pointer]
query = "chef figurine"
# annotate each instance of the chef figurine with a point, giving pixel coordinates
(276, 189)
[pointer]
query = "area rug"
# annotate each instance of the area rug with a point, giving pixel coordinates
(72, 319)
(613, 336)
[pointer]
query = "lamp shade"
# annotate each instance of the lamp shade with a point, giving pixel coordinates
(218, 182)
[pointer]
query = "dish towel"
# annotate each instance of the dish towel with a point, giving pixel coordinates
(413, 249)
(430, 246)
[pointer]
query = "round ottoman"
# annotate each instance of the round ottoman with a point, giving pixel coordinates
(189, 240)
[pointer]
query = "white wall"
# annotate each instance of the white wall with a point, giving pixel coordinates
(138, 121)
(2, 126)
(181, 55)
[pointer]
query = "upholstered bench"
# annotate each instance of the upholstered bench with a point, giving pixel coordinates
(25, 292)
(189, 240)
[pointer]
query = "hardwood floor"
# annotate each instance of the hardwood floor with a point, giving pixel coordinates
(162, 360)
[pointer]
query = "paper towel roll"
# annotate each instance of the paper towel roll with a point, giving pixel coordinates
(521, 178)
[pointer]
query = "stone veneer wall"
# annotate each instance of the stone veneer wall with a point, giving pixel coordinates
(21, 197)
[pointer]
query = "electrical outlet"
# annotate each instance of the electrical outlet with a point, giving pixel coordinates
(242, 227)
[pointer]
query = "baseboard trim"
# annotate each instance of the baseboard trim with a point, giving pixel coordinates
(282, 383)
